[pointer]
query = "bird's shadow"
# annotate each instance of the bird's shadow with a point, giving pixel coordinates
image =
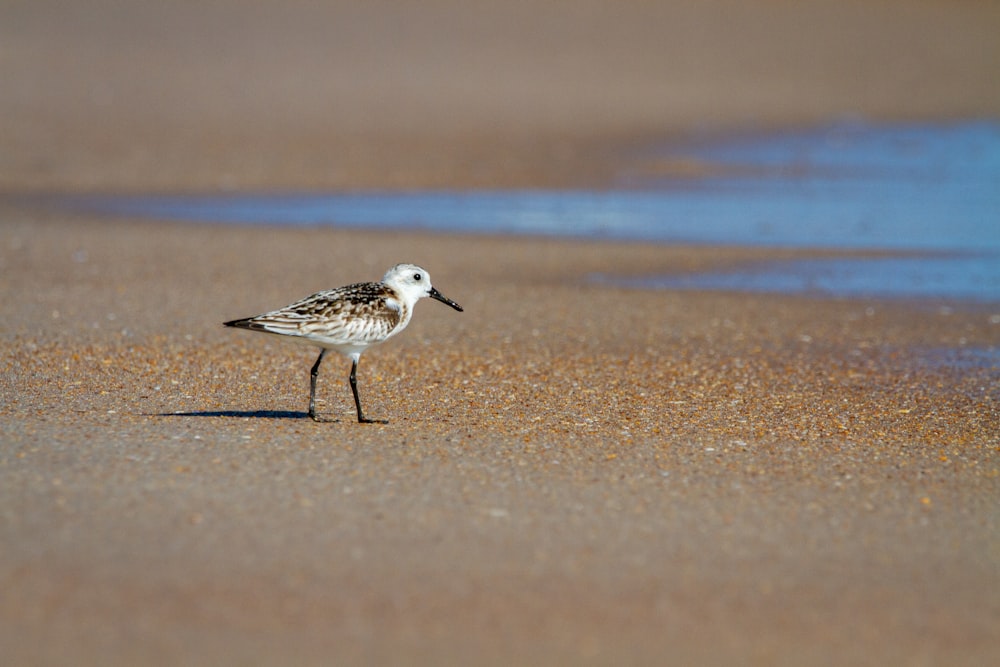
(240, 414)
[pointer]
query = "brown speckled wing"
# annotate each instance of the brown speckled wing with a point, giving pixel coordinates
(355, 313)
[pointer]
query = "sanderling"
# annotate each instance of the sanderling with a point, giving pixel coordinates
(349, 320)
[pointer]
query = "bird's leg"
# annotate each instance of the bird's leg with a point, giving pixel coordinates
(312, 387)
(357, 400)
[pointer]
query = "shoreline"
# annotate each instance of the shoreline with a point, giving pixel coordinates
(573, 473)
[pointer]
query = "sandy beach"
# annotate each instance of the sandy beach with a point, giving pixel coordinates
(573, 473)
(103, 95)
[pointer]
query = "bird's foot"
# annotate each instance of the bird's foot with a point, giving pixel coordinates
(366, 420)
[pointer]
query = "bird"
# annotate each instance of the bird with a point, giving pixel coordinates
(349, 320)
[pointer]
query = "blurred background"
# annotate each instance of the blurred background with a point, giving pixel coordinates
(100, 95)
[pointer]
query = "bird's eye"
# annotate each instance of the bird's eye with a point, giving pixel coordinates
(417, 277)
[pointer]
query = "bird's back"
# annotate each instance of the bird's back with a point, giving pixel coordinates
(347, 319)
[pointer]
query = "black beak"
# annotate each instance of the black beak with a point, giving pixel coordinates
(434, 294)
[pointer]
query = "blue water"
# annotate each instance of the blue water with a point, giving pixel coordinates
(933, 190)
(965, 277)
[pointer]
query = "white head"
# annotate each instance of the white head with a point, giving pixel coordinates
(413, 284)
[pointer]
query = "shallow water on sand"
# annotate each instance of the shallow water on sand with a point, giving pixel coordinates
(928, 195)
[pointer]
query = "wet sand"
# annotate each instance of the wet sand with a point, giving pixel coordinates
(572, 473)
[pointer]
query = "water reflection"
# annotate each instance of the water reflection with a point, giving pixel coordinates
(969, 277)
(933, 189)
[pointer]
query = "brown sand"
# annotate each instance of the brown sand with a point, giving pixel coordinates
(572, 473)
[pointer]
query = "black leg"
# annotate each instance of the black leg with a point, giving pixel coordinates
(312, 386)
(357, 400)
